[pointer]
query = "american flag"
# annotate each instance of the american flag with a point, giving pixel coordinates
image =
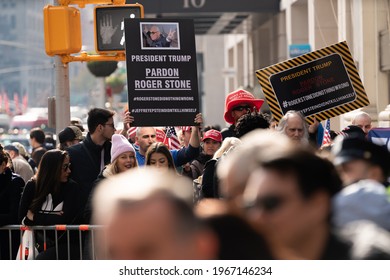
(326, 139)
(132, 131)
(173, 141)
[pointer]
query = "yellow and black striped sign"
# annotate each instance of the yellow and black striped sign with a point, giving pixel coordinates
(321, 84)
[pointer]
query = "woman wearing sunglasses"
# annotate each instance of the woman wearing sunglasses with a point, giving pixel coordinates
(51, 198)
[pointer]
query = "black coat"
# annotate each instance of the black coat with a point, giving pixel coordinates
(87, 214)
(37, 154)
(161, 42)
(229, 132)
(11, 187)
(210, 181)
(69, 194)
(85, 158)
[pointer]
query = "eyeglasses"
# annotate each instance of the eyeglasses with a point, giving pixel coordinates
(109, 124)
(241, 108)
(267, 203)
(66, 166)
(153, 32)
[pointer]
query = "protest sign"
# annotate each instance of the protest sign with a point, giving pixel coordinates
(161, 72)
(320, 84)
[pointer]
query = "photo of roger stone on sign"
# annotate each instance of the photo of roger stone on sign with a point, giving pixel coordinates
(160, 35)
(162, 71)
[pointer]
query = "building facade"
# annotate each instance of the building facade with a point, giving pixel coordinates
(25, 67)
(364, 25)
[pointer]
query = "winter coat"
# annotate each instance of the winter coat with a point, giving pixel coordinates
(69, 195)
(229, 132)
(87, 214)
(11, 187)
(210, 182)
(85, 158)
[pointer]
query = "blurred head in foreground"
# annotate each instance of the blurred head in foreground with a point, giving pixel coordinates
(288, 199)
(151, 218)
(256, 146)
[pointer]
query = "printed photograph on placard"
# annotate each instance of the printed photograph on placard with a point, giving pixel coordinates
(162, 71)
(160, 35)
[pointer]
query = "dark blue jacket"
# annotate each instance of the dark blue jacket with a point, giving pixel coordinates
(180, 156)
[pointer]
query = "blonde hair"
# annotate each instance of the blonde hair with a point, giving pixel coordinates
(228, 144)
(112, 168)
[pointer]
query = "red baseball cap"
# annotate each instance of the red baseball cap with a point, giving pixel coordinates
(212, 134)
(238, 97)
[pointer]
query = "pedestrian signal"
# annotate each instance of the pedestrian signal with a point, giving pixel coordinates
(62, 30)
(110, 27)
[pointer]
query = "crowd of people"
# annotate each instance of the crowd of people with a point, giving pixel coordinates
(258, 189)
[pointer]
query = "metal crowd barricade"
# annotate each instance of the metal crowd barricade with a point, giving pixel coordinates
(56, 228)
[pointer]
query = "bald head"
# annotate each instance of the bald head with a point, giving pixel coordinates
(362, 120)
(145, 136)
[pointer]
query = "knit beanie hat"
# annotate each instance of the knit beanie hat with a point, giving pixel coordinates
(120, 145)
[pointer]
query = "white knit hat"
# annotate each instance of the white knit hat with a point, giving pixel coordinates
(120, 145)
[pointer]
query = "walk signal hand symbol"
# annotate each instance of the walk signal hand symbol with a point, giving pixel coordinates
(106, 29)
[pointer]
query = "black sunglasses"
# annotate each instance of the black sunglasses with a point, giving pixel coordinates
(241, 108)
(66, 166)
(109, 124)
(267, 203)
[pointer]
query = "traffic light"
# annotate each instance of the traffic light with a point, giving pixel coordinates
(109, 26)
(62, 30)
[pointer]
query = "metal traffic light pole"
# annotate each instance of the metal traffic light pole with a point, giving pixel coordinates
(62, 92)
(61, 47)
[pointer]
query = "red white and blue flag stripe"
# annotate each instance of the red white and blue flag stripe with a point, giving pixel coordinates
(327, 139)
